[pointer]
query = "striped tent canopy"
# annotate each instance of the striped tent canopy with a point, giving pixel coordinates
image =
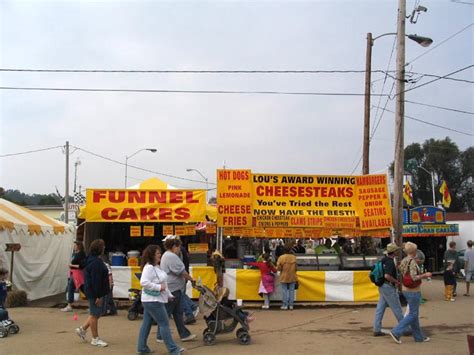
(21, 219)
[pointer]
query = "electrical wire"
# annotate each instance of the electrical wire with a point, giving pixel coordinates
(139, 168)
(189, 91)
(439, 44)
(30, 151)
(432, 81)
(440, 107)
(187, 71)
(433, 124)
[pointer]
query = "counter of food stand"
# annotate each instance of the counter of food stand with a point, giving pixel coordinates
(350, 285)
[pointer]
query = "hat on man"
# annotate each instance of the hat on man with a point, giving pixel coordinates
(391, 248)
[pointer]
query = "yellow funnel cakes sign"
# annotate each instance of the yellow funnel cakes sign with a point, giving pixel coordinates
(145, 205)
(247, 200)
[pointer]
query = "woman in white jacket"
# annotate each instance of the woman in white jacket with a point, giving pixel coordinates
(155, 295)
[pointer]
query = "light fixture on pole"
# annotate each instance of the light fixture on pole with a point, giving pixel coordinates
(423, 41)
(205, 179)
(432, 183)
(153, 150)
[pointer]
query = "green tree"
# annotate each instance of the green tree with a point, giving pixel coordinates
(447, 162)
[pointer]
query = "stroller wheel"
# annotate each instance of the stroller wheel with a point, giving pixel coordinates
(243, 336)
(132, 315)
(14, 329)
(209, 338)
(3, 332)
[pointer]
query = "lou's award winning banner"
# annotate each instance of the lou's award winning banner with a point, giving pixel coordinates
(145, 205)
(307, 201)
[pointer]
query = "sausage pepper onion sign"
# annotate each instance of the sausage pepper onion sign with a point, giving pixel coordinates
(145, 205)
(308, 201)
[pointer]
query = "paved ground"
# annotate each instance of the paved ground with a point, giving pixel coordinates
(306, 330)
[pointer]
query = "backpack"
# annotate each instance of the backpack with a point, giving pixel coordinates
(377, 275)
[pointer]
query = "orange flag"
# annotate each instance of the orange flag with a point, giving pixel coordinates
(408, 194)
(445, 193)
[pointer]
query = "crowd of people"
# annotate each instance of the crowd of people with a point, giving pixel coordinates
(403, 282)
(164, 278)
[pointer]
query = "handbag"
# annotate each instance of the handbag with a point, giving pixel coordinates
(408, 281)
(297, 285)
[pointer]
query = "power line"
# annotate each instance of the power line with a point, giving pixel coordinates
(187, 71)
(439, 44)
(444, 76)
(188, 91)
(440, 107)
(441, 77)
(139, 168)
(30, 151)
(433, 124)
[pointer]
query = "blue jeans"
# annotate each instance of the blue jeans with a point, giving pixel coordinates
(288, 294)
(188, 306)
(175, 308)
(412, 318)
(388, 298)
(157, 312)
(70, 290)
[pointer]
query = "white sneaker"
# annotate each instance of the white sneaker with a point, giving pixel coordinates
(196, 312)
(161, 341)
(189, 337)
(68, 308)
(452, 300)
(265, 307)
(98, 342)
(81, 333)
(291, 307)
(284, 307)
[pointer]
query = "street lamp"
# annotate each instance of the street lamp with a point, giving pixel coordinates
(432, 182)
(423, 41)
(153, 150)
(205, 179)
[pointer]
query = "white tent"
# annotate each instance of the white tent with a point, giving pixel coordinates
(41, 266)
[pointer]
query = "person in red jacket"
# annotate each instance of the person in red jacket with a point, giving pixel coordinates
(267, 283)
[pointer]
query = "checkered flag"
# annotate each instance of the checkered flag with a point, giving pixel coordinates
(79, 198)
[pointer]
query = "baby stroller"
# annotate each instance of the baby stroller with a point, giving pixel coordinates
(221, 316)
(7, 326)
(137, 308)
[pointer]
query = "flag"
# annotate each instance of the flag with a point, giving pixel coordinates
(445, 194)
(79, 198)
(408, 194)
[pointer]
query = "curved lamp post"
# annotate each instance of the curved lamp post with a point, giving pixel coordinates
(205, 179)
(424, 42)
(153, 150)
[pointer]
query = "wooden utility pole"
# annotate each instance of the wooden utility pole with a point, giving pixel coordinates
(399, 127)
(368, 78)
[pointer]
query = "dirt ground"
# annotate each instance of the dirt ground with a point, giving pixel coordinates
(333, 329)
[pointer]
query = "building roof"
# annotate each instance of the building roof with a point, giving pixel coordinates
(459, 216)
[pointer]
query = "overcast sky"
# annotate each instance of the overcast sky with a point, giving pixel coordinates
(266, 133)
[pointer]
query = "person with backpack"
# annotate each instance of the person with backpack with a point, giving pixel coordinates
(385, 276)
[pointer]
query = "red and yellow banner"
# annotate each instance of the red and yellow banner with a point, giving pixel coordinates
(104, 205)
(318, 202)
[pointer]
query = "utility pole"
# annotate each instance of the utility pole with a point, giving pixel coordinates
(368, 78)
(66, 192)
(399, 127)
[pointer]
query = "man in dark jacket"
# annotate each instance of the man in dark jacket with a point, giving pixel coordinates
(96, 286)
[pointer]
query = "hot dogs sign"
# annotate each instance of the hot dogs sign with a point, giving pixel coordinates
(307, 201)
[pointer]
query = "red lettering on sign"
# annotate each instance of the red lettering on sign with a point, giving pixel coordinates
(98, 195)
(108, 213)
(136, 196)
(176, 197)
(182, 213)
(148, 214)
(165, 214)
(189, 197)
(116, 196)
